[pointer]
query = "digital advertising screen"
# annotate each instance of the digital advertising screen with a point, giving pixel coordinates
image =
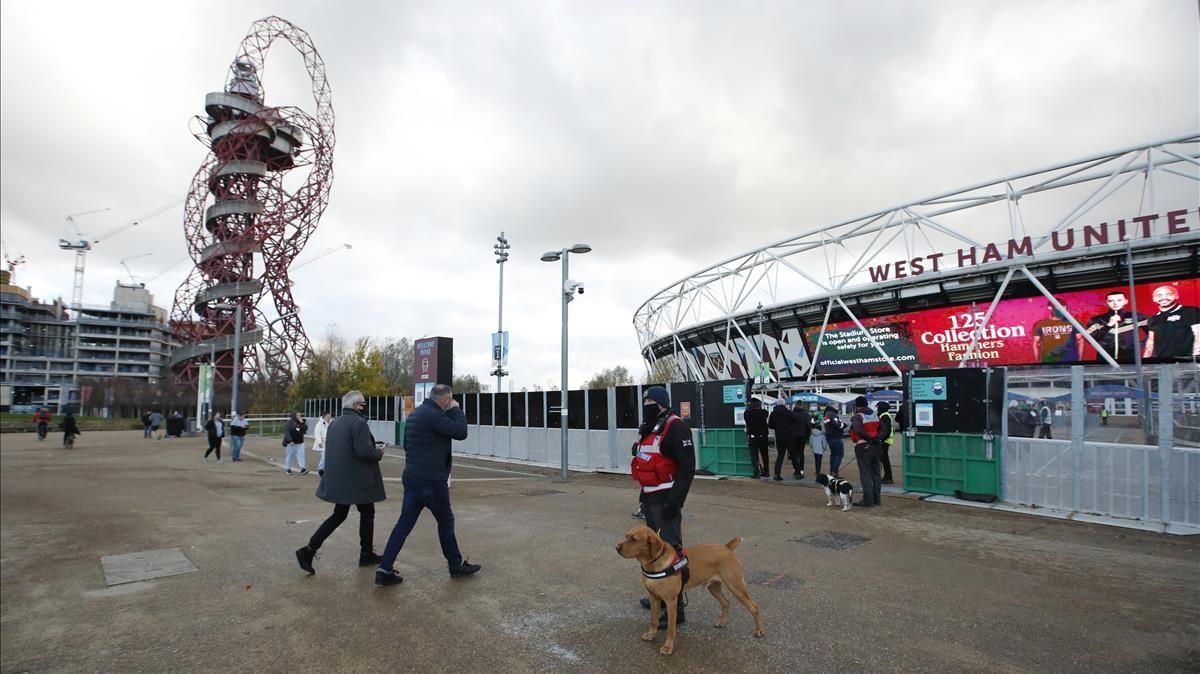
(1023, 331)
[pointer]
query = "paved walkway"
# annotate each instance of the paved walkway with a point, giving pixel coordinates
(931, 588)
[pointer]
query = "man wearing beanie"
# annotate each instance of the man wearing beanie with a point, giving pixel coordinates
(664, 462)
(867, 432)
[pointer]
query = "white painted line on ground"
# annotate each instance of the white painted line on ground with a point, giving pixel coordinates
(467, 479)
(477, 467)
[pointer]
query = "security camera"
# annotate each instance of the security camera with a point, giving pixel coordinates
(570, 287)
(579, 288)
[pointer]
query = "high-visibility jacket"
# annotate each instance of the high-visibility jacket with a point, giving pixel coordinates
(870, 424)
(891, 427)
(650, 468)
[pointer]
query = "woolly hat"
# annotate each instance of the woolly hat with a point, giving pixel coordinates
(861, 401)
(659, 395)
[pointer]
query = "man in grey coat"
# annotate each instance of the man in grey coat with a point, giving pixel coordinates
(351, 477)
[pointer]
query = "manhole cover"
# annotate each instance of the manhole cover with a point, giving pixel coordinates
(284, 489)
(771, 579)
(542, 492)
(137, 566)
(832, 540)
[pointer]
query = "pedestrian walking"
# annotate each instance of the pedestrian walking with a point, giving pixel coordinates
(428, 434)
(1045, 421)
(293, 442)
(883, 409)
(353, 479)
(756, 437)
(1103, 416)
(802, 431)
(866, 430)
(834, 427)
(664, 464)
(156, 424)
(216, 431)
(237, 434)
(319, 435)
(817, 440)
(146, 425)
(785, 438)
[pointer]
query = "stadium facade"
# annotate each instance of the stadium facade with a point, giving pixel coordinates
(1023, 271)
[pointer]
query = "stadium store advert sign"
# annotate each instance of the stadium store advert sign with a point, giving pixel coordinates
(1023, 331)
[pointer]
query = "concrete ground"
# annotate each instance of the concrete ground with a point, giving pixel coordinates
(934, 588)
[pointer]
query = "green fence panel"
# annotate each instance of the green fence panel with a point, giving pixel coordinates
(940, 463)
(723, 452)
(399, 433)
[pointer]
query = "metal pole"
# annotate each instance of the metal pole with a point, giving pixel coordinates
(563, 411)
(237, 357)
(500, 324)
(1143, 416)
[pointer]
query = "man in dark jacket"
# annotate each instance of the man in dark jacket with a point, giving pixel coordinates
(428, 433)
(868, 430)
(784, 423)
(756, 437)
(351, 477)
(802, 428)
(663, 504)
(293, 441)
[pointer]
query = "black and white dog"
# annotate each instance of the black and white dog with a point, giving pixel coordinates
(842, 489)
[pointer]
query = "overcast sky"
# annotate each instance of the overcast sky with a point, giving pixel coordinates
(667, 135)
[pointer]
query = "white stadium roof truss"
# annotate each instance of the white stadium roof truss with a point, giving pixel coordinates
(834, 262)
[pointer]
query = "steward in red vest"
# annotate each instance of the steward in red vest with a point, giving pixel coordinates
(664, 462)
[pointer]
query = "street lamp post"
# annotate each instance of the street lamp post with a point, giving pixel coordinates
(568, 290)
(501, 251)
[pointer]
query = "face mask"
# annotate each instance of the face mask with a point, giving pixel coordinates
(650, 412)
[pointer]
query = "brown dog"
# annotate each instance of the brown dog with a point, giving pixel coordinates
(710, 565)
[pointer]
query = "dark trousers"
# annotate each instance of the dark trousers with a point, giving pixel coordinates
(887, 462)
(868, 474)
(760, 456)
(214, 444)
(837, 451)
(366, 526)
(418, 495)
(1044, 432)
(670, 528)
(817, 458)
(791, 449)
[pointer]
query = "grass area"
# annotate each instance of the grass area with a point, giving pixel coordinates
(19, 423)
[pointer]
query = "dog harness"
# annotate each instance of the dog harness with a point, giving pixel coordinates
(678, 565)
(650, 468)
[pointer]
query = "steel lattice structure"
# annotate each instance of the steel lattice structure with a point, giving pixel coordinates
(708, 324)
(243, 227)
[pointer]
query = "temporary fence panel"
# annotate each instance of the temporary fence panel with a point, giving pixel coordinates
(942, 463)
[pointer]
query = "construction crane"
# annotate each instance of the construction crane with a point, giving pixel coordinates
(321, 254)
(82, 245)
(133, 279)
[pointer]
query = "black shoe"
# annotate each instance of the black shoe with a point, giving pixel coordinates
(321, 472)
(679, 617)
(778, 479)
(305, 557)
(638, 514)
(392, 577)
(465, 569)
(646, 603)
(887, 480)
(304, 471)
(864, 504)
(367, 559)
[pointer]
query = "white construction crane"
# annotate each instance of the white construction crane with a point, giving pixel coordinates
(133, 279)
(82, 245)
(321, 254)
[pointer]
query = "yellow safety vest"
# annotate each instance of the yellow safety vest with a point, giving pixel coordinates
(891, 427)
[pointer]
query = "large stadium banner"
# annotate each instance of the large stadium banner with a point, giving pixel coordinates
(738, 359)
(1023, 331)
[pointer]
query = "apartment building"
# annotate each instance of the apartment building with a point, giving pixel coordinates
(46, 349)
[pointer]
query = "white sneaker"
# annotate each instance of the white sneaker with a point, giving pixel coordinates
(220, 461)
(206, 459)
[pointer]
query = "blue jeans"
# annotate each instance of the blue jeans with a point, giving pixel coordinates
(146, 431)
(836, 452)
(236, 450)
(419, 494)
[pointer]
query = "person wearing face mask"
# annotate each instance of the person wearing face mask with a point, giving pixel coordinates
(428, 433)
(664, 463)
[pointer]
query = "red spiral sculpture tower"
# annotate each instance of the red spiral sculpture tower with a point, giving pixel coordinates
(245, 237)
